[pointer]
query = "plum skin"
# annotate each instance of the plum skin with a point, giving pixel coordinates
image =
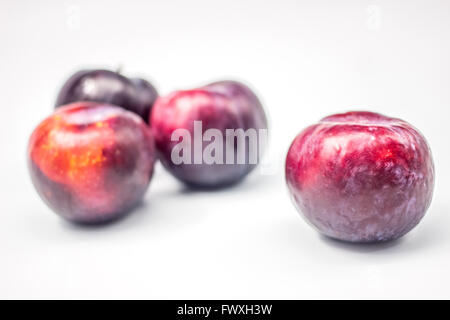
(91, 162)
(221, 105)
(134, 94)
(361, 176)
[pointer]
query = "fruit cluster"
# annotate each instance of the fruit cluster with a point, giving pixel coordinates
(93, 158)
(357, 176)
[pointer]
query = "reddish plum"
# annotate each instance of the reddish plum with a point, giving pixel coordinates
(221, 106)
(136, 95)
(361, 176)
(91, 162)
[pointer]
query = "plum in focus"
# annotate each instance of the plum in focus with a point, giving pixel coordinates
(361, 176)
(136, 95)
(219, 106)
(91, 162)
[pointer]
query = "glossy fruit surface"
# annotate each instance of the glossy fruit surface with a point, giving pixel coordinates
(221, 106)
(91, 162)
(136, 95)
(361, 176)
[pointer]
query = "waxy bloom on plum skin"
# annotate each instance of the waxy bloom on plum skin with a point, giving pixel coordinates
(361, 176)
(91, 162)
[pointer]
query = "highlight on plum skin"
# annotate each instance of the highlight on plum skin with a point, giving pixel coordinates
(361, 176)
(91, 162)
(220, 105)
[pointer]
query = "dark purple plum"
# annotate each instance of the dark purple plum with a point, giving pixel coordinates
(217, 107)
(136, 95)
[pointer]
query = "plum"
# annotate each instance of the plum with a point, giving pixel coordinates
(136, 95)
(91, 162)
(361, 176)
(204, 116)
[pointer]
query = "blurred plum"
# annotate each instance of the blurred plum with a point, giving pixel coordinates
(226, 114)
(136, 95)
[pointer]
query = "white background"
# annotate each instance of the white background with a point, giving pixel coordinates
(305, 59)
